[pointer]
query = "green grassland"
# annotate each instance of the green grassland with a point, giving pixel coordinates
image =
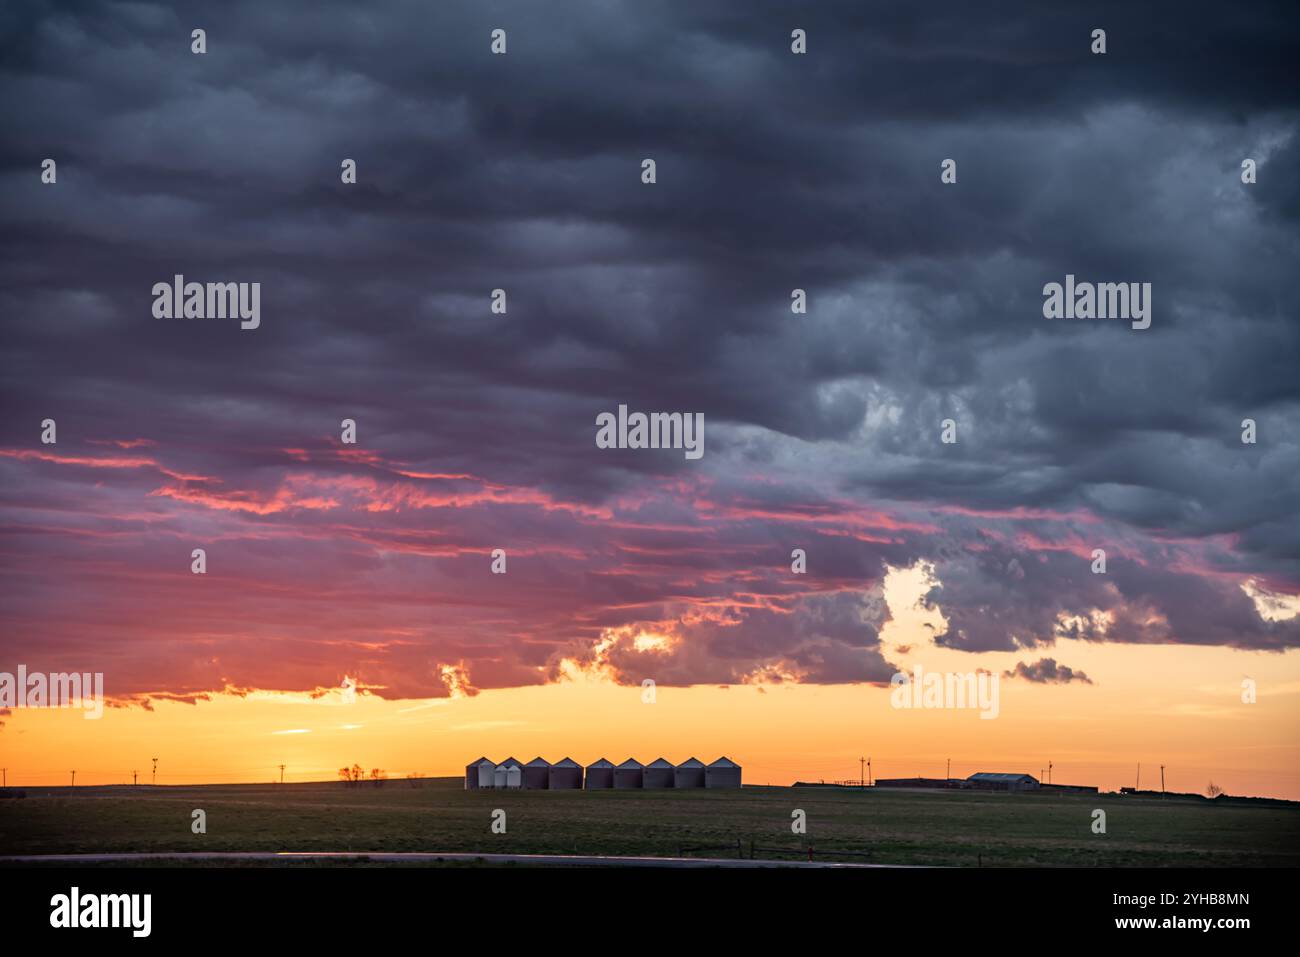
(898, 827)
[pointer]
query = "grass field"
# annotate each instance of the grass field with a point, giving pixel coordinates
(899, 827)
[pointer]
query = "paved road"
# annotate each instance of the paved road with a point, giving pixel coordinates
(553, 860)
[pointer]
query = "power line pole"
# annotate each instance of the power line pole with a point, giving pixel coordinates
(155, 770)
(135, 778)
(948, 773)
(282, 774)
(868, 770)
(6, 777)
(1139, 780)
(1049, 772)
(74, 779)
(1162, 780)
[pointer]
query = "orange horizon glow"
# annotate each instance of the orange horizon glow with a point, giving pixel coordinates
(1150, 704)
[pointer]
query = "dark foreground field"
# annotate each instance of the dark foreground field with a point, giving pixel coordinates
(936, 828)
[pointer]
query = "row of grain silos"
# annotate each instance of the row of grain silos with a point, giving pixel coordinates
(539, 775)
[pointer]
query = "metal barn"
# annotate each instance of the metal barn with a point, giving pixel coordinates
(565, 774)
(999, 781)
(658, 774)
(629, 774)
(722, 773)
(600, 774)
(537, 774)
(689, 774)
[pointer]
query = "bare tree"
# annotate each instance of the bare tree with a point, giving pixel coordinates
(1213, 790)
(378, 777)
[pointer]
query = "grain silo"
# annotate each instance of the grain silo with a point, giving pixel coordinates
(508, 774)
(629, 774)
(600, 774)
(537, 774)
(478, 774)
(658, 774)
(722, 773)
(689, 774)
(565, 775)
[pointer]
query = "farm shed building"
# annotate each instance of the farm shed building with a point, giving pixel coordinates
(918, 783)
(1070, 788)
(999, 781)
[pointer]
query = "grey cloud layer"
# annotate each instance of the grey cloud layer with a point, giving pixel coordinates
(775, 171)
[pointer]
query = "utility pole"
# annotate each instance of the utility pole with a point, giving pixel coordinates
(948, 773)
(155, 770)
(74, 779)
(1139, 780)
(868, 771)
(6, 778)
(1162, 780)
(282, 774)
(135, 778)
(1049, 772)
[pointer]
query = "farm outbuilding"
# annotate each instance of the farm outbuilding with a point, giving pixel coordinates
(689, 774)
(1070, 788)
(918, 783)
(629, 774)
(508, 774)
(659, 774)
(722, 773)
(478, 774)
(537, 774)
(999, 781)
(600, 774)
(565, 774)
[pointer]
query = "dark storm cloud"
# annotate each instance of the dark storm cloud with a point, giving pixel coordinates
(775, 171)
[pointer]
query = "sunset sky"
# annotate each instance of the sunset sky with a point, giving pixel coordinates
(476, 431)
